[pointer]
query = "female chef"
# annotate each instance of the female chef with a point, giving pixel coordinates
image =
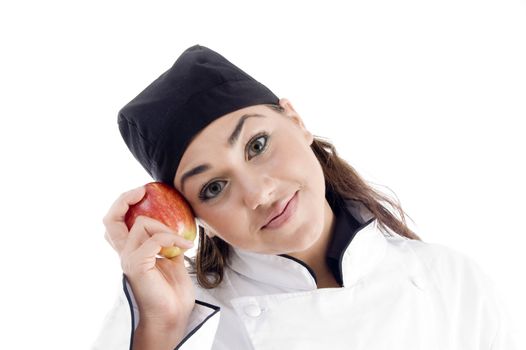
(295, 250)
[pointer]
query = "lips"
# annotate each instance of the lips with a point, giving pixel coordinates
(278, 210)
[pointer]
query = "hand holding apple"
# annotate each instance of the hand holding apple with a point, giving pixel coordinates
(165, 204)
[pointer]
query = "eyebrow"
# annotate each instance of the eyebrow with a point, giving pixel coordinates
(232, 139)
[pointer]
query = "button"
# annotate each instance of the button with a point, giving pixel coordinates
(252, 310)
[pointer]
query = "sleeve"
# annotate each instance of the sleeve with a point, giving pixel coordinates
(492, 309)
(478, 307)
(505, 336)
(122, 320)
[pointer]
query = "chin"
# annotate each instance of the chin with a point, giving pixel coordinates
(305, 238)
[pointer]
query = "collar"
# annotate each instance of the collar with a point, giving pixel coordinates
(365, 248)
(345, 228)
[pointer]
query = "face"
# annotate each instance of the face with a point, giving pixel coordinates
(249, 167)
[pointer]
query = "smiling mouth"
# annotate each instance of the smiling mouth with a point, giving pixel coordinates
(285, 215)
(277, 216)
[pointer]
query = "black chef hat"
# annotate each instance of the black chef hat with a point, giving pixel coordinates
(200, 87)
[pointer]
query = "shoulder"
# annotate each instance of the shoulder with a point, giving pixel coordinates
(465, 290)
(445, 260)
(451, 272)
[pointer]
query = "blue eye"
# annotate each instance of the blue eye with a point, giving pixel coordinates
(211, 190)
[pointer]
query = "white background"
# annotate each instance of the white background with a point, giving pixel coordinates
(426, 98)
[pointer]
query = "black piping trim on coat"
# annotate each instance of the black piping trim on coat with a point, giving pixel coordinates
(311, 271)
(345, 249)
(130, 304)
(216, 310)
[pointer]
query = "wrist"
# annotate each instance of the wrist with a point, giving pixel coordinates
(165, 319)
(158, 334)
(162, 323)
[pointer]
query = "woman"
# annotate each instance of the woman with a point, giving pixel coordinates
(296, 251)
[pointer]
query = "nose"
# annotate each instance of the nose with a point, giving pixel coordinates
(258, 190)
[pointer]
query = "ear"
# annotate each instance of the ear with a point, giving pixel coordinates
(291, 113)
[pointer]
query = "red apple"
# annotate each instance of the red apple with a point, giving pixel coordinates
(165, 204)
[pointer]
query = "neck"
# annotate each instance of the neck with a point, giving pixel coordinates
(315, 255)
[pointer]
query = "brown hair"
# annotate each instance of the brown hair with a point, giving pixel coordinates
(341, 179)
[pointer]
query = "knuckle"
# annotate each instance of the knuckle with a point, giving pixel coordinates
(123, 195)
(158, 238)
(140, 223)
(146, 222)
(141, 219)
(105, 220)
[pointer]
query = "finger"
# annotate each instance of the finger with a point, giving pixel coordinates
(154, 244)
(144, 257)
(121, 205)
(144, 228)
(116, 230)
(174, 270)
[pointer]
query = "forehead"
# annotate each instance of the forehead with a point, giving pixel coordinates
(222, 129)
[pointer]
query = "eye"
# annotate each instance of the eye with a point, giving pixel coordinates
(257, 145)
(211, 190)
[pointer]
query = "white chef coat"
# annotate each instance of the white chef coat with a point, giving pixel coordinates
(397, 293)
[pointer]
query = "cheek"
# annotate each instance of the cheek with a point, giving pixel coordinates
(214, 218)
(301, 163)
(291, 156)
